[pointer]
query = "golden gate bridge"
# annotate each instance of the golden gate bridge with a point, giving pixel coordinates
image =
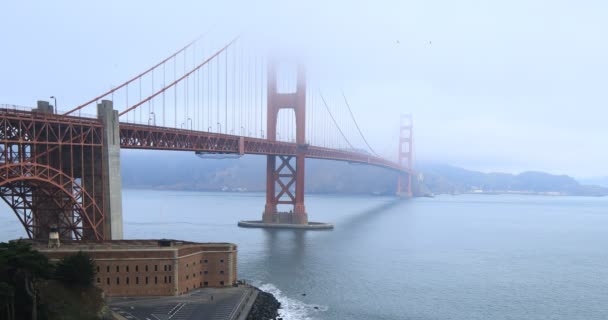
(62, 169)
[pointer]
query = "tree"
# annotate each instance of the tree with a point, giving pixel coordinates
(7, 301)
(76, 270)
(22, 268)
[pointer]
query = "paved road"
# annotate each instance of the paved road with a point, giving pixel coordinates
(205, 303)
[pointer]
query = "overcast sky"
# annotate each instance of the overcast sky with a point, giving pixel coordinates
(493, 85)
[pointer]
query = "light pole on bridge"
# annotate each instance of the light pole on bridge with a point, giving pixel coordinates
(54, 98)
(152, 118)
(219, 127)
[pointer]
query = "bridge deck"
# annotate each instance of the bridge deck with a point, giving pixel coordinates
(137, 136)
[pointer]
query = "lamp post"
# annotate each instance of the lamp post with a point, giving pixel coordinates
(190, 121)
(152, 118)
(219, 127)
(54, 98)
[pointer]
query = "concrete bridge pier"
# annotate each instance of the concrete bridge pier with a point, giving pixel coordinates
(112, 184)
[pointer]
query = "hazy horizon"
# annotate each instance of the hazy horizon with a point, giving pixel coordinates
(503, 86)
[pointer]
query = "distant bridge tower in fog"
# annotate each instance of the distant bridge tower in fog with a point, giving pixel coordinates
(406, 152)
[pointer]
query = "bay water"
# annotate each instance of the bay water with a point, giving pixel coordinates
(449, 257)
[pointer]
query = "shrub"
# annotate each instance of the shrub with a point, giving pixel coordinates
(76, 270)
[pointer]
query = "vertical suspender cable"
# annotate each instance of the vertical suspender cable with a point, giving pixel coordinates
(217, 116)
(226, 95)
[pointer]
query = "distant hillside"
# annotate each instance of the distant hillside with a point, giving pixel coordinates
(599, 181)
(185, 171)
(449, 179)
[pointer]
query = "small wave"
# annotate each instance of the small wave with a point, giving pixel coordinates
(293, 309)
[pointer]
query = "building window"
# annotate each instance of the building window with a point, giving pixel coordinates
(186, 265)
(117, 280)
(127, 268)
(117, 269)
(221, 283)
(206, 261)
(136, 268)
(206, 272)
(165, 279)
(221, 271)
(194, 263)
(206, 283)
(98, 280)
(169, 267)
(108, 269)
(155, 267)
(97, 269)
(155, 280)
(187, 277)
(127, 280)
(194, 275)
(146, 280)
(222, 261)
(146, 268)
(108, 281)
(136, 280)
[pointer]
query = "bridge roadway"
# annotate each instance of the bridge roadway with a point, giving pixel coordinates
(137, 136)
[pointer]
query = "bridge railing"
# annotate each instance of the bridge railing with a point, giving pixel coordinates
(78, 114)
(14, 107)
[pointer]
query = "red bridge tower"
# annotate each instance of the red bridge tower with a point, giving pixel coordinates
(283, 174)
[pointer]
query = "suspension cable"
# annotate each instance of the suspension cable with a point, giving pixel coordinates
(357, 125)
(334, 120)
(180, 79)
(135, 78)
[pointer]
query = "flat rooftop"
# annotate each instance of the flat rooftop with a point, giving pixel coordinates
(143, 244)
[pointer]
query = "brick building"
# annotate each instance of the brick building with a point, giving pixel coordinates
(153, 267)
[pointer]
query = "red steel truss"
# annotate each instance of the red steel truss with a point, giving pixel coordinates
(134, 136)
(49, 165)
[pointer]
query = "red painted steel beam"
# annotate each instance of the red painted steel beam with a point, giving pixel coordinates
(134, 136)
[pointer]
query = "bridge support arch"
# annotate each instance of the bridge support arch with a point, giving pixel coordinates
(284, 176)
(62, 171)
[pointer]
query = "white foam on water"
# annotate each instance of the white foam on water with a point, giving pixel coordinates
(293, 309)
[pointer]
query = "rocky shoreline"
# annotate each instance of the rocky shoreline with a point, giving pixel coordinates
(266, 306)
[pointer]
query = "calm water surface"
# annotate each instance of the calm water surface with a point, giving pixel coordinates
(451, 257)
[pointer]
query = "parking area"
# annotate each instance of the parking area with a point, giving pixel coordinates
(205, 303)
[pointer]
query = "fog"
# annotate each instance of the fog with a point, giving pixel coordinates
(493, 86)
